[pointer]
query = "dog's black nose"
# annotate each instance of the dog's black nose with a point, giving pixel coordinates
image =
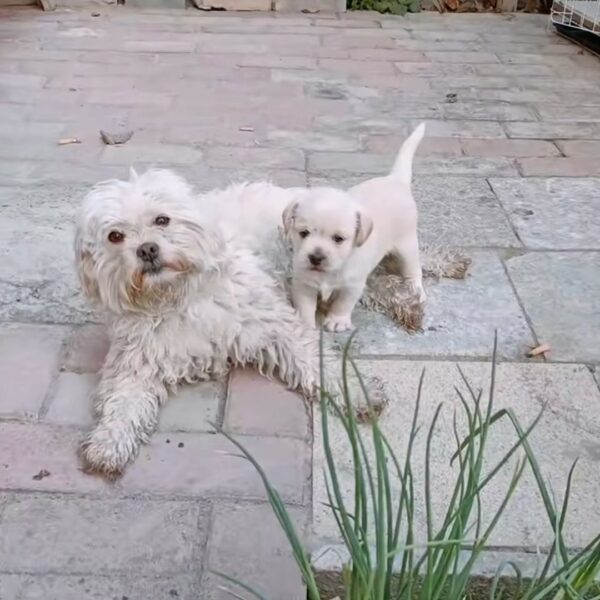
(148, 251)
(316, 258)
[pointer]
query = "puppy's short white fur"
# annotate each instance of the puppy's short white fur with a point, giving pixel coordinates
(338, 238)
(186, 297)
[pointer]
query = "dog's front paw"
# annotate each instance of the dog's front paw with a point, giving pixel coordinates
(106, 452)
(338, 323)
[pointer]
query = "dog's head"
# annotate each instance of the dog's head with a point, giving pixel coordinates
(324, 226)
(141, 244)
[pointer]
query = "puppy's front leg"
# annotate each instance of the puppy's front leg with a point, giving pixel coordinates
(305, 302)
(408, 253)
(127, 410)
(339, 317)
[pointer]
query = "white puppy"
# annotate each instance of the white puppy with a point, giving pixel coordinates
(338, 238)
(185, 299)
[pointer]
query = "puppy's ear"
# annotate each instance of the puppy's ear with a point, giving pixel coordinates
(288, 215)
(86, 269)
(364, 227)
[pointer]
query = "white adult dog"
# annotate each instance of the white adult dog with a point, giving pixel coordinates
(339, 238)
(185, 298)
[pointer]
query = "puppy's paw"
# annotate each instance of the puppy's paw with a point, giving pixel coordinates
(106, 452)
(338, 323)
(417, 291)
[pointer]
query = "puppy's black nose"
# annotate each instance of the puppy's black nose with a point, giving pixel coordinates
(316, 258)
(148, 251)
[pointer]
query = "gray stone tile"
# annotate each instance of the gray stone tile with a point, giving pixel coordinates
(159, 154)
(558, 214)
(546, 130)
(460, 211)
(75, 535)
(568, 430)
(77, 587)
(466, 165)
(265, 158)
(193, 408)
(71, 403)
(248, 543)
(26, 449)
(86, 349)
(201, 464)
(560, 291)
(487, 111)
(257, 406)
(453, 211)
(460, 319)
(312, 140)
(29, 359)
(37, 276)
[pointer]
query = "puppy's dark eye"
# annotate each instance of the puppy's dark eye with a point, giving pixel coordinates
(162, 220)
(116, 237)
(304, 233)
(338, 239)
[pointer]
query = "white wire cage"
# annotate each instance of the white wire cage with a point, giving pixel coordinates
(579, 14)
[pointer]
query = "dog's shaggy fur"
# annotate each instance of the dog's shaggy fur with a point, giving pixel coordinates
(185, 301)
(192, 286)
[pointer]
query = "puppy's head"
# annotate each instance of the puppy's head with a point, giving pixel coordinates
(141, 245)
(324, 226)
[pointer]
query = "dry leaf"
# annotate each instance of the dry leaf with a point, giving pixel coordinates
(65, 141)
(541, 349)
(114, 139)
(43, 473)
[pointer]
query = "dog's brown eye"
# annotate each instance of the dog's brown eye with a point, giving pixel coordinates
(116, 237)
(304, 233)
(338, 239)
(162, 220)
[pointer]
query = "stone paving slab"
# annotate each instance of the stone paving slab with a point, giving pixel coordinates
(93, 536)
(568, 430)
(256, 406)
(77, 587)
(561, 214)
(262, 543)
(208, 465)
(37, 276)
(194, 408)
(559, 291)
(460, 319)
(30, 357)
(327, 99)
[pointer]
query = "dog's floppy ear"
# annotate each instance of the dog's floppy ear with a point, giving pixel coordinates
(85, 269)
(288, 215)
(364, 227)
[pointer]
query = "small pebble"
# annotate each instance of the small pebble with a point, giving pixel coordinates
(180, 445)
(167, 441)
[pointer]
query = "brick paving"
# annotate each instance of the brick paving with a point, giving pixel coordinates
(508, 173)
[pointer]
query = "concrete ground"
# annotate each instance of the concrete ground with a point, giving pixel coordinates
(508, 173)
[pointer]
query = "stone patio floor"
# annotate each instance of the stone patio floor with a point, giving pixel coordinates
(509, 173)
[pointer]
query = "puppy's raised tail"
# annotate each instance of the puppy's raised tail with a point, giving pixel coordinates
(402, 168)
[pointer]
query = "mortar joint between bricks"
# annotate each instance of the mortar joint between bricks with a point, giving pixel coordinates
(53, 385)
(505, 212)
(528, 320)
(201, 549)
